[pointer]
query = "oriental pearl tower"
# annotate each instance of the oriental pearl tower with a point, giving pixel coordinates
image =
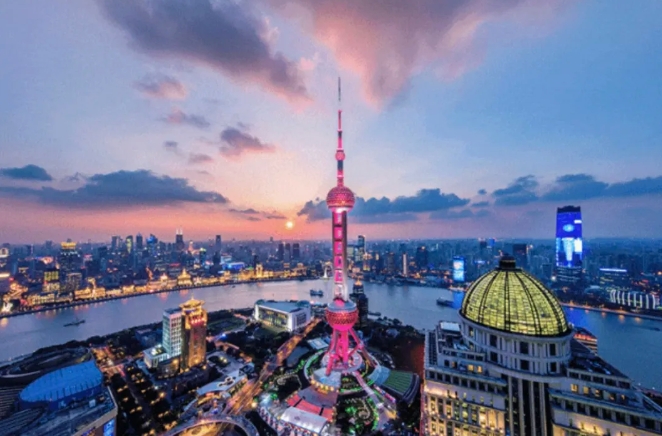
(341, 313)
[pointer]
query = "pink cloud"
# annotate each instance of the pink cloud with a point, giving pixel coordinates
(386, 42)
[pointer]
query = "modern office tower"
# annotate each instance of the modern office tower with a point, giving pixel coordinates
(280, 253)
(569, 245)
(405, 265)
(218, 243)
(511, 366)
(180, 245)
(521, 255)
(288, 252)
(422, 257)
(172, 332)
(614, 279)
(140, 244)
(51, 280)
(128, 243)
(341, 313)
(73, 281)
(194, 334)
(69, 259)
(390, 263)
(360, 246)
(459, 269)
(359, 298)
(4, 257)
(115, 243)
(296, 251)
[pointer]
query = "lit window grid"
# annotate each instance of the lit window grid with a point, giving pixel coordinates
(515, 302)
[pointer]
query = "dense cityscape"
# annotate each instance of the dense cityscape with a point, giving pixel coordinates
(178, 259)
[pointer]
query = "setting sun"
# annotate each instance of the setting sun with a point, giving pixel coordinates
(289, 225)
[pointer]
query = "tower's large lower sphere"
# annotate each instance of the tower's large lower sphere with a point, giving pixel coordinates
(342, 315)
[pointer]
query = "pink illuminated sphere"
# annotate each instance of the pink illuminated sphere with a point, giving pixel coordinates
(340, 197)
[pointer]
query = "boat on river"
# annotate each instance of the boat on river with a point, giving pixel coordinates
(75, 323)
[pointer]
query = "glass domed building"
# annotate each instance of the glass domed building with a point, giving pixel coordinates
(511, 366)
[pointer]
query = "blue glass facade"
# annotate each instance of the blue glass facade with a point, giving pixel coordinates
(458, 269)
(569, 243)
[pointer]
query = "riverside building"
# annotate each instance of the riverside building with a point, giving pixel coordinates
(511, 366)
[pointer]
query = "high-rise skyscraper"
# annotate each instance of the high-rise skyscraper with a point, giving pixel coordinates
(280, 253)
(68, 259)
(569, 245)
(217, 243)
(521, 255)
(296, 251)
(179, 240)
(139, 242)
(422, 257)
(361, 249)
(128, 243)
(194, 333)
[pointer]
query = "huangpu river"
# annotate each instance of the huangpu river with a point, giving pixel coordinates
(629, 343)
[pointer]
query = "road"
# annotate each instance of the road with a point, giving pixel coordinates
(244, 397)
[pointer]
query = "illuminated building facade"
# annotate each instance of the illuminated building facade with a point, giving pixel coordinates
(69, 259)
(569, 245)
(172, 332)
(341, 313)
(179, 240)
(286, 315)
(512, 366)
(458, 269)
(614, 279)
(194, 333)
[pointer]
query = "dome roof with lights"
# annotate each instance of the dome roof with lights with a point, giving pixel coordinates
(513, 301)
(340, 196)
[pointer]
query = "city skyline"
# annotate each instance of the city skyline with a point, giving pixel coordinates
(114, 126)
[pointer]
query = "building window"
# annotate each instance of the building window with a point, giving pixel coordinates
(552, 349)
(493, 341)
(587, 390)
(494, 357)
(524, 348)
(552, 367)
(524, 365)
(574, 388)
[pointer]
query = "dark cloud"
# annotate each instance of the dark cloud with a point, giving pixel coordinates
(575, 187)
(521, 191)
(245, 211)
(385, 210)
(452, 215)
(161, 86)
(178, 116)
(120, 189)
(274, 216)
(223, 35)
(635, 187)
(171, 146)
(199, 158)
(236, 142)
(253, 218)
(28, 172)
(386, 42)
(482, 192)
(481, 204)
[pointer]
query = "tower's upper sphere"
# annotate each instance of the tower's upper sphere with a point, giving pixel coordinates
(340, 197)
(513, 301)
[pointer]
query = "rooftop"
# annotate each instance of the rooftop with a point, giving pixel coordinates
(513, 301)
(63, 383)
(283, 306)
(303, 419)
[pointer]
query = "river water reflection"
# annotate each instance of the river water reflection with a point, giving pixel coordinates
(629, 343)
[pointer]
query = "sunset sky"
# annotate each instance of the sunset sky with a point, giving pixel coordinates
(462, 118)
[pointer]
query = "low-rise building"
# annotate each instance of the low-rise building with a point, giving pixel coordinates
(286, 315)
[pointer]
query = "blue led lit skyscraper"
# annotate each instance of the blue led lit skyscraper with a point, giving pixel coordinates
(569, 245)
